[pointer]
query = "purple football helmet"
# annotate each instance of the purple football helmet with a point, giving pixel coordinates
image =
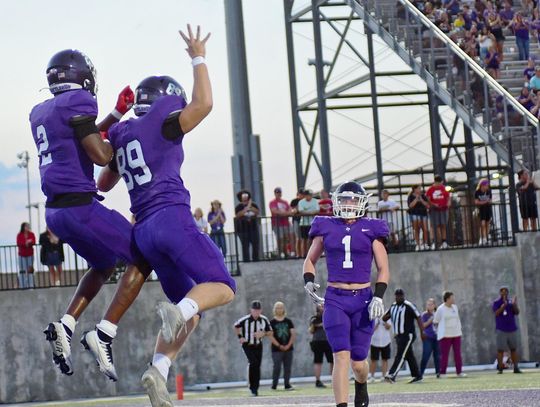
(70, 70)
(153, 88)
(350, 200)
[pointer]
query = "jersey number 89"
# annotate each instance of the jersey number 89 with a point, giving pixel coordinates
(132, 157)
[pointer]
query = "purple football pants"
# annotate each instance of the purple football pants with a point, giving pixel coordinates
(98, 234)
(346, 321)
(181, 255)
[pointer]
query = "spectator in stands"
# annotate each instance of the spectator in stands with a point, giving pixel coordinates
(534, 83)
(505, 310)
(281, 210)
(449, 333)
(528, 72)
(535, 22)
(521, 31)
(451, 6)
(25, 243)
(482, 200)
(430, 344)
(319, 345)
(216, 220)
(307, 208)
(296, 221)
(496, 27)
(528, 7)
(486, 40)
(246, 223)
(439, 202)
(283, 339)
(493, 61)
(52, 255)
(507, 14)
(526, 189)
(202, 223)
(380, 347)
(526, 98)
(325, 204)
(387, 209)
(418, 209)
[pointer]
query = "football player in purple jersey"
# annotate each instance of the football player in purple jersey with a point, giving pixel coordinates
(351, 242)
(149, 155)
(69, 144)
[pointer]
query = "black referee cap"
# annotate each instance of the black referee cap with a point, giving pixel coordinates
(256, 304)
(399, 291)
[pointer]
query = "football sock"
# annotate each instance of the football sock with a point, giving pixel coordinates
(162, 363)
(69, 324)
(188, 308)
(106, 330)
(341, 405)
(361, 398)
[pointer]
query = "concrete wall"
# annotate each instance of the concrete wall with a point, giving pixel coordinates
(213, 354)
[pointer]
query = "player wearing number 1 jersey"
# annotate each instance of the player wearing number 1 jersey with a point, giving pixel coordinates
(69, 144)
(149, 155)
(351, 242)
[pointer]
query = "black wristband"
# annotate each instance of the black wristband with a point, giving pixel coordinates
(309, 277)
(380, 288)
(240, 336)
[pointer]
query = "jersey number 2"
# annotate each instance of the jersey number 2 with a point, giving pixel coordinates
(347, 264)
(45, 158)
(132, 157)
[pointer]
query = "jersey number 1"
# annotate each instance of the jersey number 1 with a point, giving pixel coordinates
(132, 157)
(347, 264)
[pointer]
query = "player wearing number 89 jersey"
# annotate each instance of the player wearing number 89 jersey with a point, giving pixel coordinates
(149, 155)
(351, 242)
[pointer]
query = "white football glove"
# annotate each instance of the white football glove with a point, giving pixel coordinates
(311, 288)
(375, 308)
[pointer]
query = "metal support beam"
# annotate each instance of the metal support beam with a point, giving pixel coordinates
(321, 101)
(246, 159)
(375, 110)
(470, 158)
(300, 180)
(434, 124)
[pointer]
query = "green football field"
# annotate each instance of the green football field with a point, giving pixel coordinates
(478, 389)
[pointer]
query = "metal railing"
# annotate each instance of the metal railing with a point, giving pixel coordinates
(456, 78)
(74, 267)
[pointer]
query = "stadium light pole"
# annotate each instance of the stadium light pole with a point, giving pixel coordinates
(24, 158)
(36, 205)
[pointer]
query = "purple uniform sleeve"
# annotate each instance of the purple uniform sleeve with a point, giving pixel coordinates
(78, 103)
(317, 227)
(381, 231)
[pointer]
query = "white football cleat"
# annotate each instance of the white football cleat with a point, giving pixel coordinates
(156, 388)
(60, 343)
(172, 321)
(102, 352)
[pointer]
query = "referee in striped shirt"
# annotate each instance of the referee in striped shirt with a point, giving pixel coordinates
(251, 329)
(403, 314)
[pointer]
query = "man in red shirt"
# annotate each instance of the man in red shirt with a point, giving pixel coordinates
(25, 243)
(325, 204)
(281, 210)
(439, 202)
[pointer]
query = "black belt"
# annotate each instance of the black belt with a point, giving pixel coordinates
(73, 199)
(341, 291)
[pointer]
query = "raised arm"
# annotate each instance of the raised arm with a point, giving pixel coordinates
(201, 99)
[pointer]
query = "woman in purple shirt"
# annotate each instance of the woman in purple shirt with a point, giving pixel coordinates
(217, 219)
(521, 31)
(429, 342)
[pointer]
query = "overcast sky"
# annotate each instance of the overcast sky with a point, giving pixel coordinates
(129, 40)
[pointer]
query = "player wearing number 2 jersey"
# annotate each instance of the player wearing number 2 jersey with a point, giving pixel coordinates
(351, 242)
(69, 144)
(149, 155)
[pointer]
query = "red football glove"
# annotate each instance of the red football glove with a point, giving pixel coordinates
(125, 100)
(104, 135)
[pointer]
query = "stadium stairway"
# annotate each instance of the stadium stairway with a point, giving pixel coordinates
(457, 79)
